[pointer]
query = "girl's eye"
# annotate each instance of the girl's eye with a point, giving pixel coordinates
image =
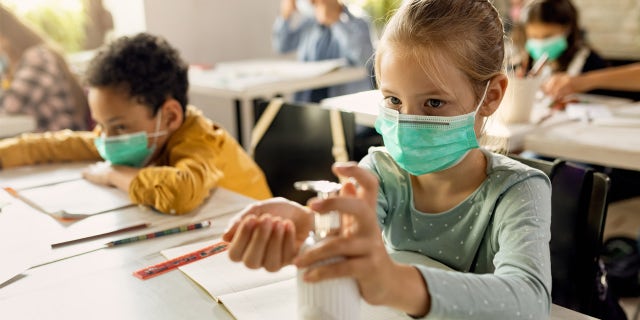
(392, 103)
(434, 103)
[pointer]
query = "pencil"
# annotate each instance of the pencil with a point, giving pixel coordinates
(162, 233)
(108, 233)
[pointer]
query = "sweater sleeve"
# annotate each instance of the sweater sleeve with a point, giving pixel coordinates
(520, 286)
(186, 181)
(49, 147)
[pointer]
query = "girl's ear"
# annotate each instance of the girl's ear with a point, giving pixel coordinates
(495, 93)
(172, 114)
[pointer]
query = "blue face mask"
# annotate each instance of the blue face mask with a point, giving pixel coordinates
(426, 144)
(128, 149)
(554, 47)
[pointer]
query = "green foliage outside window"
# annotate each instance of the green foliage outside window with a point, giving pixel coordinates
(64, 26)
(380, 10)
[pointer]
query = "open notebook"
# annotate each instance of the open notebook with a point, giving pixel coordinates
(258, 294)
(74, 199)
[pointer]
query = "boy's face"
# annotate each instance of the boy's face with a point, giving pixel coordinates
(116, 113)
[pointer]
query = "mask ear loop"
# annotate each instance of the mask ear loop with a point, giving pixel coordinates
(484, 95)
(156, 133)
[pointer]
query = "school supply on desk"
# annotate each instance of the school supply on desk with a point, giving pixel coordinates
(166, 266)
(185, 228)
(257, 294)
(91, 247)
(103, 234)
(73, 199)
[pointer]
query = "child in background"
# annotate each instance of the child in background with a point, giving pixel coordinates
(164, 154)
(431, 190)
(36, 80)
(322, 30)
(551, 27)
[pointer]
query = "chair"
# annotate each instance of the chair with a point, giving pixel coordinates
(298, 145)
(578, 214)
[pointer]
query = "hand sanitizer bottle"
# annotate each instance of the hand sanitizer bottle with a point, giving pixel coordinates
(333, 299)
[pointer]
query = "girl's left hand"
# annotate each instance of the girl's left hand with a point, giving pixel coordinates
(361, 242)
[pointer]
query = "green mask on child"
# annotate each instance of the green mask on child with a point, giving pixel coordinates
(128, 149)
(554, 47)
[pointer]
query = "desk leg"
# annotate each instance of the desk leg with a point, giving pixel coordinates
(245, 121)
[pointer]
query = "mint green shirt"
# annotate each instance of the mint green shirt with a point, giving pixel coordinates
(505, 222)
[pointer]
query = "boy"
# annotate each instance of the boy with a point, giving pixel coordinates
(164, 154)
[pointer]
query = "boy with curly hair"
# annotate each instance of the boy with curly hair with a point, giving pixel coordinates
(161, 151)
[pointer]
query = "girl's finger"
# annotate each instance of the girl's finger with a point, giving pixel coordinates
(241, 238)
(335, 247)
(288, 243)
(255, 252)
(367, 182)
(361, 213)
(274, 249)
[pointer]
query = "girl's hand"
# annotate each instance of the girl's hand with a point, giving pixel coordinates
(268, 234)
(380, 279)
(361, 242)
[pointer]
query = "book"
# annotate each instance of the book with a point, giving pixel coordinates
(74, 199)
(259, 294)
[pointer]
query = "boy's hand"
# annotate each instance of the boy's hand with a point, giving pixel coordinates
(114, 176)
(268, 234)
(98, 173)
(328, 12)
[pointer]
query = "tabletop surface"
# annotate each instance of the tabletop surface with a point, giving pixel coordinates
(99, 284)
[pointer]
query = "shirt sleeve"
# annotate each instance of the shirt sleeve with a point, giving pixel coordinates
(287, 34)
(28, 86)
(38, 148)
(354, 36)
(520, 286)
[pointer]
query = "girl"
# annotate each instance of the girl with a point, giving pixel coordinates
(431, 190)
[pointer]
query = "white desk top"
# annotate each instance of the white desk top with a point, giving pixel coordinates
(247, 80)
(11, 125)
(100, 284)
(611, 142)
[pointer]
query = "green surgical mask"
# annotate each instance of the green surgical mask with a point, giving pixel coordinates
(128, 149)
(426, 144)
(554, 47)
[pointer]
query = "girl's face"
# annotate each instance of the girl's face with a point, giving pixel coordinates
(408, 89)
(541, 31)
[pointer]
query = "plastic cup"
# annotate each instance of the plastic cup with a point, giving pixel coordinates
(519, 100)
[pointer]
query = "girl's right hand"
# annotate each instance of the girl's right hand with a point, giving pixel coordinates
(268, 234)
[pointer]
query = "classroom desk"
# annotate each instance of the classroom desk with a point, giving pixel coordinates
(611, 144)
(245, 81)
(11, 125)
(100, 284)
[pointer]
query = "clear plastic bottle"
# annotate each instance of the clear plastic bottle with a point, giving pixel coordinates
(333, 299)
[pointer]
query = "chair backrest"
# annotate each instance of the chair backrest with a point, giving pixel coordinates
(298, 146)
(578, 214)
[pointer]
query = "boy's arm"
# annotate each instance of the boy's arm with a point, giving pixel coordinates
(37, 148)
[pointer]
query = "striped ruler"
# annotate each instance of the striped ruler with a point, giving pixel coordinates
(163, 267)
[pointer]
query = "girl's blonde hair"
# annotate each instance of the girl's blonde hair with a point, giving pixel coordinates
(469, 33)
(20, 37)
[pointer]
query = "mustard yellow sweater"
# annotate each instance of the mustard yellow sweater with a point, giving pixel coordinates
(198, 157)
